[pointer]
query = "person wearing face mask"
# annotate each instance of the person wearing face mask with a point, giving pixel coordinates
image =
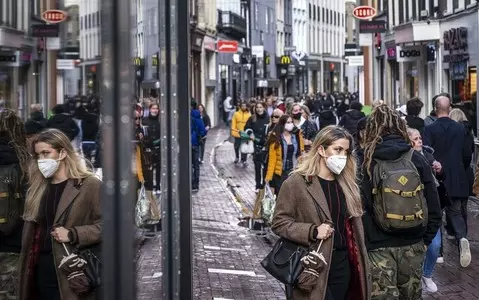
(321, 201)
(277, 113)
(259, 124)
(237, 125)
(301, 121)
(62, 210)
(285, 146)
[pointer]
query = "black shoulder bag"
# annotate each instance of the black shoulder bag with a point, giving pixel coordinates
(90, 254)
(283, 262)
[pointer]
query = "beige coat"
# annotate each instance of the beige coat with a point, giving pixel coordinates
(295, 216)
(85, 217)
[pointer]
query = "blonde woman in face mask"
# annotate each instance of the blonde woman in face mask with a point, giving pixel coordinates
(321, 201)
(62, 210)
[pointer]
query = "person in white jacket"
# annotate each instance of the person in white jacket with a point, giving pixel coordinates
(229, 110)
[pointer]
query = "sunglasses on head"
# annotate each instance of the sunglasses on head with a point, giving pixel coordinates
(275, 117)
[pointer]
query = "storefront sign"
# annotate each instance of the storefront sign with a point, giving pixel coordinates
(405, 54)
(285, 60)
(53, 16)
(224, 46)
(10, 59)
(376, 26)
(364, 12)
(455, 41)
(209, 43)
(458, 70)
(45, 30)
(356, 61)
(391, 53)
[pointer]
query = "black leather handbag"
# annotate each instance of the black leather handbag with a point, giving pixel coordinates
(284, 261)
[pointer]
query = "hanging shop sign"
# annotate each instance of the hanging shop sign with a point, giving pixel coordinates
(375, 26)
(10, 59)
(455, 41)
(364, 12)
(227, 46)
(53, 16)
(391, 53)
(45, 30)
(406, 54)
(285, 60)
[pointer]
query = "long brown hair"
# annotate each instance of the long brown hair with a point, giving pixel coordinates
(12, 129)
(310, 166)
(74, 168)
(382, 121)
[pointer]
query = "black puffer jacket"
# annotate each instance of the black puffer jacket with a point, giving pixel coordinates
(153, 133)
(350, 120)
(64, 122)
(13, 242)
(326, 118)
(259, 127)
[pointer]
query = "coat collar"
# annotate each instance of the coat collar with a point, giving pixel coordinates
(69, 194)
(313, 186)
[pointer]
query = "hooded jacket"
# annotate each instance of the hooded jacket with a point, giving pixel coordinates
(65, 123)
(197, 128)
(13, 242)
(350, 120)
(391, 148)
(326, 118)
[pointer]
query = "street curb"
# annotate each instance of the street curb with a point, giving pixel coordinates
(230, 186)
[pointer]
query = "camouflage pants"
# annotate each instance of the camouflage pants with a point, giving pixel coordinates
(396, 272)
(8, 275)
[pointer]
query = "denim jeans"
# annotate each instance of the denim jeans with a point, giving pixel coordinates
(431, 255)
(195, 163)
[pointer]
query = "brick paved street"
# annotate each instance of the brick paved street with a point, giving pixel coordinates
(221, 248)
(220, 245)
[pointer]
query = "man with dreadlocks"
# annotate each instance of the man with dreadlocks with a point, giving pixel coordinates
(14, 159)
(402, 211)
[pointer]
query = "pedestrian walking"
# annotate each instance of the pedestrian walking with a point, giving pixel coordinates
(402, 212)
(321, 202)
(14, 161)
(284, 149)
(152, 126)
(63, 121)
(207, 122)
(352, 116)
(197, 129)
(258, 122)
(238, 123)
(62, 211)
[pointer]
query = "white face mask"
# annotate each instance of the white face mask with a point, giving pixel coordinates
(289, 126)
(48, 166)
(336, 163)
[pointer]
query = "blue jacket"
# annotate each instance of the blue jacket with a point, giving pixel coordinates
(197, 127)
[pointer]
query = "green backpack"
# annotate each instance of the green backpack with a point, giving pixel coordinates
(398, 198)
(11, 199)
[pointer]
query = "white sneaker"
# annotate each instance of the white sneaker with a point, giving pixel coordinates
(465, 252)
(440, 260)
(428, 285)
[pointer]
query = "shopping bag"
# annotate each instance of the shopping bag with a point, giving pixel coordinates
(142, 209)
(247, 147)
(268, 204)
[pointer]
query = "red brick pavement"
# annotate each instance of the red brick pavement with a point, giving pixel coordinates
(453, 281)
(219, 243)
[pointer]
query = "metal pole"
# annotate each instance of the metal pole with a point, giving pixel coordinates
(118, 188)
(175, 149)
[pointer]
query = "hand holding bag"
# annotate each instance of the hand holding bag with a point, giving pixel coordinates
(247, 147)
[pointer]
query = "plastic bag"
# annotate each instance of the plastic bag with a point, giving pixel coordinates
(269, 203)
(247, 147)
(142, 209)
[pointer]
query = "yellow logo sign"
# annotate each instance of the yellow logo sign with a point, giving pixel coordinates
(403, 180)
(155, 61)
(285, 60)
(137, 61)
(267, 60)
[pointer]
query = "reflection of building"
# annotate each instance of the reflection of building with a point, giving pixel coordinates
(151, 66)
(90, 45)
(17, 84)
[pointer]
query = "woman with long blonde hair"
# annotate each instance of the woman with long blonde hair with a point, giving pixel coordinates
(320, 201)
(62, 210)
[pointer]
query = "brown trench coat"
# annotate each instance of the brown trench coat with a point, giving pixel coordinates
(294, 216)
(85, 216)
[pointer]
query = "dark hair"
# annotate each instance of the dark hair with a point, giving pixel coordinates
(414, 106)
(58, 109)
(356, 105)
(275, 136)
(254, 116)
(328, 103)
(194, 104)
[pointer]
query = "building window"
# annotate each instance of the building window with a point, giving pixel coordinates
(310, 14)
(401, 14)
(468, 2)
(455, 4)
(256, 15)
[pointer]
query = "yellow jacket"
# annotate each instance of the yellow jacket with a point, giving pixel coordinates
(275, 157)
(238, 122)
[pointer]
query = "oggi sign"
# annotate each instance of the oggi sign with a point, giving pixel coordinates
(405, 54)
